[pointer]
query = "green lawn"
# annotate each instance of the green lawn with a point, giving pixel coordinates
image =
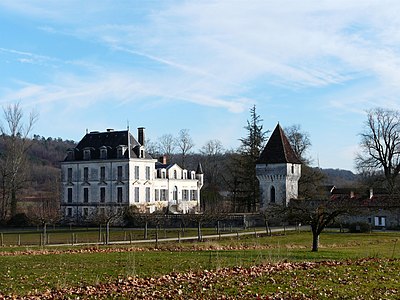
(21, 274)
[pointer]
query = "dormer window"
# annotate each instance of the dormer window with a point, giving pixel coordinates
(86, 154)
(121, 151)
(103, 152)
(70, 154)
(141, 152)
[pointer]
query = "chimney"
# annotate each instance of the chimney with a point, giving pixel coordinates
(141, 135)
(163, 159)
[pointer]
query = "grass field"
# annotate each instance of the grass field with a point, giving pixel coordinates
(34, 270)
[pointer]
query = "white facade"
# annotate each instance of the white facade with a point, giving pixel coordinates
(278, 170)
(278, 182)
(113, 176)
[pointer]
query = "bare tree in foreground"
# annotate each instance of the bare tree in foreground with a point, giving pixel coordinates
(318, 214)
(15, 134)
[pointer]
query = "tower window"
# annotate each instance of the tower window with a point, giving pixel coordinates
(272, 194)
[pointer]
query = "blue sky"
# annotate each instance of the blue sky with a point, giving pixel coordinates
(201, 65)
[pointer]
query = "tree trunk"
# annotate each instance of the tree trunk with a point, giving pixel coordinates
(107, 232)
(45, 233)
(145, 230)
(13, 202)
(199, 237)
(315, 243)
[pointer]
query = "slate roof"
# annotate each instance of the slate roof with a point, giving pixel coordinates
(109, 139)
(278, 149)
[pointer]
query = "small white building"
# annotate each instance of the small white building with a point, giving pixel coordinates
(112, 169)
(278, 170)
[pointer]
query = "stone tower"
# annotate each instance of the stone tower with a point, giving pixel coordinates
(278, 170)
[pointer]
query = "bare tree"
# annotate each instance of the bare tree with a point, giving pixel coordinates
(212, 159)
(167, 145)
(318, 214)
(108, 215)
(15, 134)
(300, 141)
(380, 145)
(44, 213)
(185, 144)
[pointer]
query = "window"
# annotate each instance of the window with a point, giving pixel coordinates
(147, 194)
(103, 153)
(102, 194)
(69, 195)
(147, 173)
(86, 154)
(175, 176)
(70, 155)
(120, 152)
(156, 194)
(292, 169)
(185, 195)
(184, 175)
(272, 194)
(175, 193)
(193, 195)
(163, 195)
(136, 172)
(69, 175)
(102, 211)
(137, 194)
(102, 173)
(119, 194)
(86, 174)
(119, 173)
(85, 195)
(380, 221)
(69, 212)
(163, 174)
(85, 211)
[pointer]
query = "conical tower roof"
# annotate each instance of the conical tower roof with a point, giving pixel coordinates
(278, 149)
(199, 169)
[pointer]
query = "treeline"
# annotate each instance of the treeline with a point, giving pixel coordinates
(30, 167)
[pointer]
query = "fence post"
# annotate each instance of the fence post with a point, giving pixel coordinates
(130, 237)
(19, 240)
(73, 239)
(2, 240)
(179, 236)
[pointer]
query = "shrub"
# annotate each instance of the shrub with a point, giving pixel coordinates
(360, 227)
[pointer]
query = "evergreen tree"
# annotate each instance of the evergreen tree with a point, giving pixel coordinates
(250, 150)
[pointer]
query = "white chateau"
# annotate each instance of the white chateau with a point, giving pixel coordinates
(278, 170)
(112, 169)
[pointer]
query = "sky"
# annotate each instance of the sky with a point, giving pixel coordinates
(201, 65)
